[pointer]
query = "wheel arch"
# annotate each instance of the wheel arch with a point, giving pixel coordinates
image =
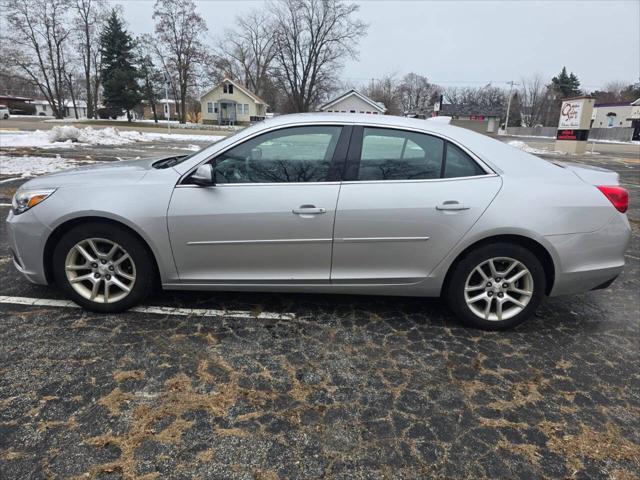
(535, 247)
(64, 227)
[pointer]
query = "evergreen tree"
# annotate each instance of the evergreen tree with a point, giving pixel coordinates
(118, 73)
(566, 84)
(515, 115)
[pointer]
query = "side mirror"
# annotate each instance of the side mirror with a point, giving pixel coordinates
(204, 176)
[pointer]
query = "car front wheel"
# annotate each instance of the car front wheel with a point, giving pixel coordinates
(496, 286)
(103, 267)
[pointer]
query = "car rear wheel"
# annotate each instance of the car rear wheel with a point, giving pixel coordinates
(103, 267)
(496, 286)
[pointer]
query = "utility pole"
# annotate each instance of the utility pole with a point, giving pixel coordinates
(506, 122)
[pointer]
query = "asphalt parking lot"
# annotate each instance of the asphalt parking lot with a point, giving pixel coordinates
(267, 386)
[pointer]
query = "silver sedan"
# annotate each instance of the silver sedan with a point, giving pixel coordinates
(357, 204)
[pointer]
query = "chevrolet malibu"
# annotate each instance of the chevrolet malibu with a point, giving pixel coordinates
(330, 203)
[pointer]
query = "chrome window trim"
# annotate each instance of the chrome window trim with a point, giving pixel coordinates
(420, 180)
(235, 185)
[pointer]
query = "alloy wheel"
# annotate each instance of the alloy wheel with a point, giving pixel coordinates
(100, 270)
(498, 289)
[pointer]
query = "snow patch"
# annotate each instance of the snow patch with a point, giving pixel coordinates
(520, 145)
(29, 166)
(71, 136)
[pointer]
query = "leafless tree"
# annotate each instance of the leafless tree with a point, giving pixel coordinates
(89, 15)
(385, 90)
(36, 42)
(246, 53)
(535, 99)
(312, 39)
(416, 94)
(151, 76)
(180, 28)
(487, 96)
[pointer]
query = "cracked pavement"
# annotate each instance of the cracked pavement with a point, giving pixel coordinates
(349, 387)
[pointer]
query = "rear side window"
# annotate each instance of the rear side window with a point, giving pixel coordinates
(397, 155)
(389, 154)
(459, 164)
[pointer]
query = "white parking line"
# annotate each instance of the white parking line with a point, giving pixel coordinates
(195, 312)
(5, 204)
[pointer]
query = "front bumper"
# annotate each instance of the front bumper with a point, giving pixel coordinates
(27, 238)
(586, 261)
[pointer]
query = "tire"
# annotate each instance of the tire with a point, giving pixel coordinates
(509, 305)
(136, 272)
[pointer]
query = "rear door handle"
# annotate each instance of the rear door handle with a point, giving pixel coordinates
(451, 205)
(309, 210)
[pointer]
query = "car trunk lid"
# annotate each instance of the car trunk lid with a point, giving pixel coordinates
(590, 174)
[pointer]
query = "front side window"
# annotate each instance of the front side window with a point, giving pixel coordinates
(297, 154)
(398, 155)
(209, 107)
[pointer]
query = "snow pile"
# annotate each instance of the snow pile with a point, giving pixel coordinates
(526, 148)
(71, 136)
(26, 167)
(90, 136)
(24, 139)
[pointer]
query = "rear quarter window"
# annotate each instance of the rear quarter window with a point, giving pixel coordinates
(459, 164)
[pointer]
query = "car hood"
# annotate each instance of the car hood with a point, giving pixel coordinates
(125, 171)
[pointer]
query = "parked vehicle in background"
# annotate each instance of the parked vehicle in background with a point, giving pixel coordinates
(332, 203)
(4, 112)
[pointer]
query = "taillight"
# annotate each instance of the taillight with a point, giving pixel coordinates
(618, 196)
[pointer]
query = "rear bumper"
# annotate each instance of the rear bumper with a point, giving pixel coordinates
(586, 261)
(27, 237)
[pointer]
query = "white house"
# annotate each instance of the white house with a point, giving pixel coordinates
(611, 115)
(231, 104)
(353, 102)
(44, 109)
(81, 107)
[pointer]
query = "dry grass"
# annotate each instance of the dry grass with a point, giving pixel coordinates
(178, 397)
(608, 444)
(123, 375)
(114, 400)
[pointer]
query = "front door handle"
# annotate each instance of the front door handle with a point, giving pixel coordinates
(451, 206)
(309, 210)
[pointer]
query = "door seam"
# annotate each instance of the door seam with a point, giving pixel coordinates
(333, 233)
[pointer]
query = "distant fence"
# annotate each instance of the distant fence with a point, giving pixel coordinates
(616, 134)
(532, 131)
(613, 134)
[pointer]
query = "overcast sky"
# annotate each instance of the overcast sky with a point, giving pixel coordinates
(471, 42)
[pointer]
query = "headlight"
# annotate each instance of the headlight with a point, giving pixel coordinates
(23, 200)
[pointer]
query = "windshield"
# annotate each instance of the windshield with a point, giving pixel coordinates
(173, 161)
